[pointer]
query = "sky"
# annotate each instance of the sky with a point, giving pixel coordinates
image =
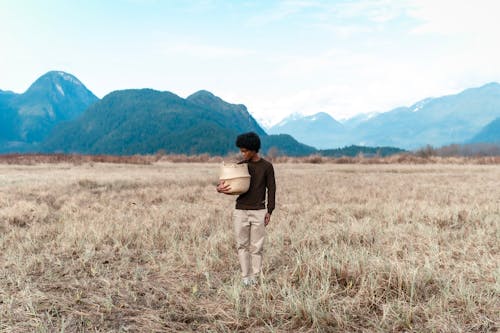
(343, 57)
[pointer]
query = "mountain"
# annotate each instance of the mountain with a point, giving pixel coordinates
(319, 130)
(353, 122)
(435, 121)
(431, 121)
(236, 114)
(144, 121)
(58, 113)
(6, 96)
(9, 120)
(488, 134)
(284, 144)
(54, 97)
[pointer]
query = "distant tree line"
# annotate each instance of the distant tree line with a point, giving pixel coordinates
(466, 150)
(353, 150)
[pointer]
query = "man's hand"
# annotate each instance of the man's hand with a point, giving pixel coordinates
(223, 187)
(267, 219)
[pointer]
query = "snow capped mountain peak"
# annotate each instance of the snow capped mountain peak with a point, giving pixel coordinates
(68, 77)
(419, 105)
(359, 118)
(265, 123)
(291, 117)
(320, 116)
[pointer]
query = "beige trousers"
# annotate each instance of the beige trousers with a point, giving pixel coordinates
(250, 233)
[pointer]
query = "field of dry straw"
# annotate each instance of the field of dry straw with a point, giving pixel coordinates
(102, 247)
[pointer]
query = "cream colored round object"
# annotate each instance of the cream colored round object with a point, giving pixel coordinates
(236, 176)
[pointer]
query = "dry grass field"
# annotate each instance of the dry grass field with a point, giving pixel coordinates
(99, 247)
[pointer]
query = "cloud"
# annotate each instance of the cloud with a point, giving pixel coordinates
(343, 18)
(374, 11)
(470, 28)
(377, 11)
(447, 17)
(334, 61)
(282, 11)
(343, 82)
(206, 51)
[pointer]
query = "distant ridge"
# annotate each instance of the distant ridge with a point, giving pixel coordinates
(489, 134)
(59, 114)
(432, 121)
(145, 121)
(237, 114)
(318, 130)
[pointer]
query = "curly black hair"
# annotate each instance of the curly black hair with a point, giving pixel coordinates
(250, 141)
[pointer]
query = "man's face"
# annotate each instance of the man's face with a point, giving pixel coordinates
(247, 154)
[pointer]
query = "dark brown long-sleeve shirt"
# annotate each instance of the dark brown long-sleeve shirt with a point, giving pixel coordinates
(262, 178)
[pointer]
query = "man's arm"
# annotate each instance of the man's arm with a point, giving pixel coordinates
(271, 193)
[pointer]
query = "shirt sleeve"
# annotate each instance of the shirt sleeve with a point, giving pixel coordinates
(271, 189)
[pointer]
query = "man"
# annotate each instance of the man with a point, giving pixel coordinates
(251, 217)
